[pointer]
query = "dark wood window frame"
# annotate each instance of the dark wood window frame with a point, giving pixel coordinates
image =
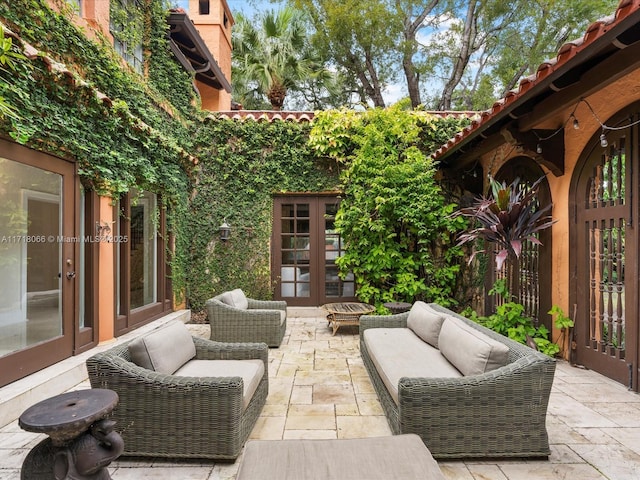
(128, 319)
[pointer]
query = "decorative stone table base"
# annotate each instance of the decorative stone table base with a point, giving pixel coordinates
(82, 442)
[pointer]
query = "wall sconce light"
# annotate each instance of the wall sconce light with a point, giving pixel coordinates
(225, 231)
(103, 228)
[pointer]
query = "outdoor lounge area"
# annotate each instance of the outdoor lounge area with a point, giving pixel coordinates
(319, 389)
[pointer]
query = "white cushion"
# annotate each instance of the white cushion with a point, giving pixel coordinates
(398, 352)
(425, 322)
(469, 350)
(165, 349)
(251, 372)
(235, 298)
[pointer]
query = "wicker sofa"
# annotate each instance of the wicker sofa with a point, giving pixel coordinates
(236, 318)
(495, 407)
(206, 408)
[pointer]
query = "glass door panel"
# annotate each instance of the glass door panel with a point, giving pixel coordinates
(334, 286)
(31, 256)
(305, 250)
(295, 250)
(143, 253)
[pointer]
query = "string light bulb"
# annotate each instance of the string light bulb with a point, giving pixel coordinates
(539, 148)
(576, 124)
(603, 140)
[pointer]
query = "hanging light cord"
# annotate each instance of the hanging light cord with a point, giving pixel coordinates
(603, 125)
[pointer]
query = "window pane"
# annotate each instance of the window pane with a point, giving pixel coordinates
(143, 251)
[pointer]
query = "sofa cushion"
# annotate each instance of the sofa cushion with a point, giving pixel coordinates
(165, 349)
(425, 322)
(235, 298)
(399, 352)
(251, 372)
(469, 350)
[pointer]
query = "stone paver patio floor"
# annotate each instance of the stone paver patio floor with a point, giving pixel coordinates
(319, 389)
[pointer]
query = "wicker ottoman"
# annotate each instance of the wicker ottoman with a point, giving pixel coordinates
(399, 457)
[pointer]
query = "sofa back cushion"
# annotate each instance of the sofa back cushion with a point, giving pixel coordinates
(165, 349)
(425, 322)
(235, 298)
(469, 350)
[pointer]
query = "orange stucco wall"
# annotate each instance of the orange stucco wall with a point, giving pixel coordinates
(106, 275)
(217, 36)
(93, 18)
(606, 103)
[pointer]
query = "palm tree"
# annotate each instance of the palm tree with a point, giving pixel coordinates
(274, 57)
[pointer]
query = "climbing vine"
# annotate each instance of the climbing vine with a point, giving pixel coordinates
(247, 162)
(74, 98)
(394, 217)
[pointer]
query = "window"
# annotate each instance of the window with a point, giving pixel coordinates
(127, 26)
(203, 7)
(76, 5)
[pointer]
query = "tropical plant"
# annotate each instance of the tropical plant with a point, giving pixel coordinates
(272, 58)
(507, 218)
(563, 323)
(510, 320)
(394, 215)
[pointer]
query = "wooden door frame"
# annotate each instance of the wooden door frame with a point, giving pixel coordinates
(35, 357)
(317, 294)
(128, 319)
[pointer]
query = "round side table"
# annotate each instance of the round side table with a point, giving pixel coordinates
(81, 443)
(398, 307)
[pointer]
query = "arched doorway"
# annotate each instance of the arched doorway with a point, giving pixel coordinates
(535, 260)
(604, 251)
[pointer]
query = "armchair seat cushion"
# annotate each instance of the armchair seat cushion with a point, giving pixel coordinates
(251, 372)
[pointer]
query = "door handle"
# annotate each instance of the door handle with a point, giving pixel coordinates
(71, 275)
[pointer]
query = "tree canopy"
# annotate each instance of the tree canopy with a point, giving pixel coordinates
(445, 54)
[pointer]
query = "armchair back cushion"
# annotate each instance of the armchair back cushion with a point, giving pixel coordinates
(165, 349)
(235, 298)
(469, 350)
(425, 322)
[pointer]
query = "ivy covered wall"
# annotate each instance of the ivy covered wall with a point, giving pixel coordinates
(74, 98)
(246, 163)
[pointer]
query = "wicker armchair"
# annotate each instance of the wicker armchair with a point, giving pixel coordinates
(500, 413)
(235, 318)
(161, 415)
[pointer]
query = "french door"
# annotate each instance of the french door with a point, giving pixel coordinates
(38, 256)
(305, 246)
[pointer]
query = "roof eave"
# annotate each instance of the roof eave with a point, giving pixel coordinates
(208, 72)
